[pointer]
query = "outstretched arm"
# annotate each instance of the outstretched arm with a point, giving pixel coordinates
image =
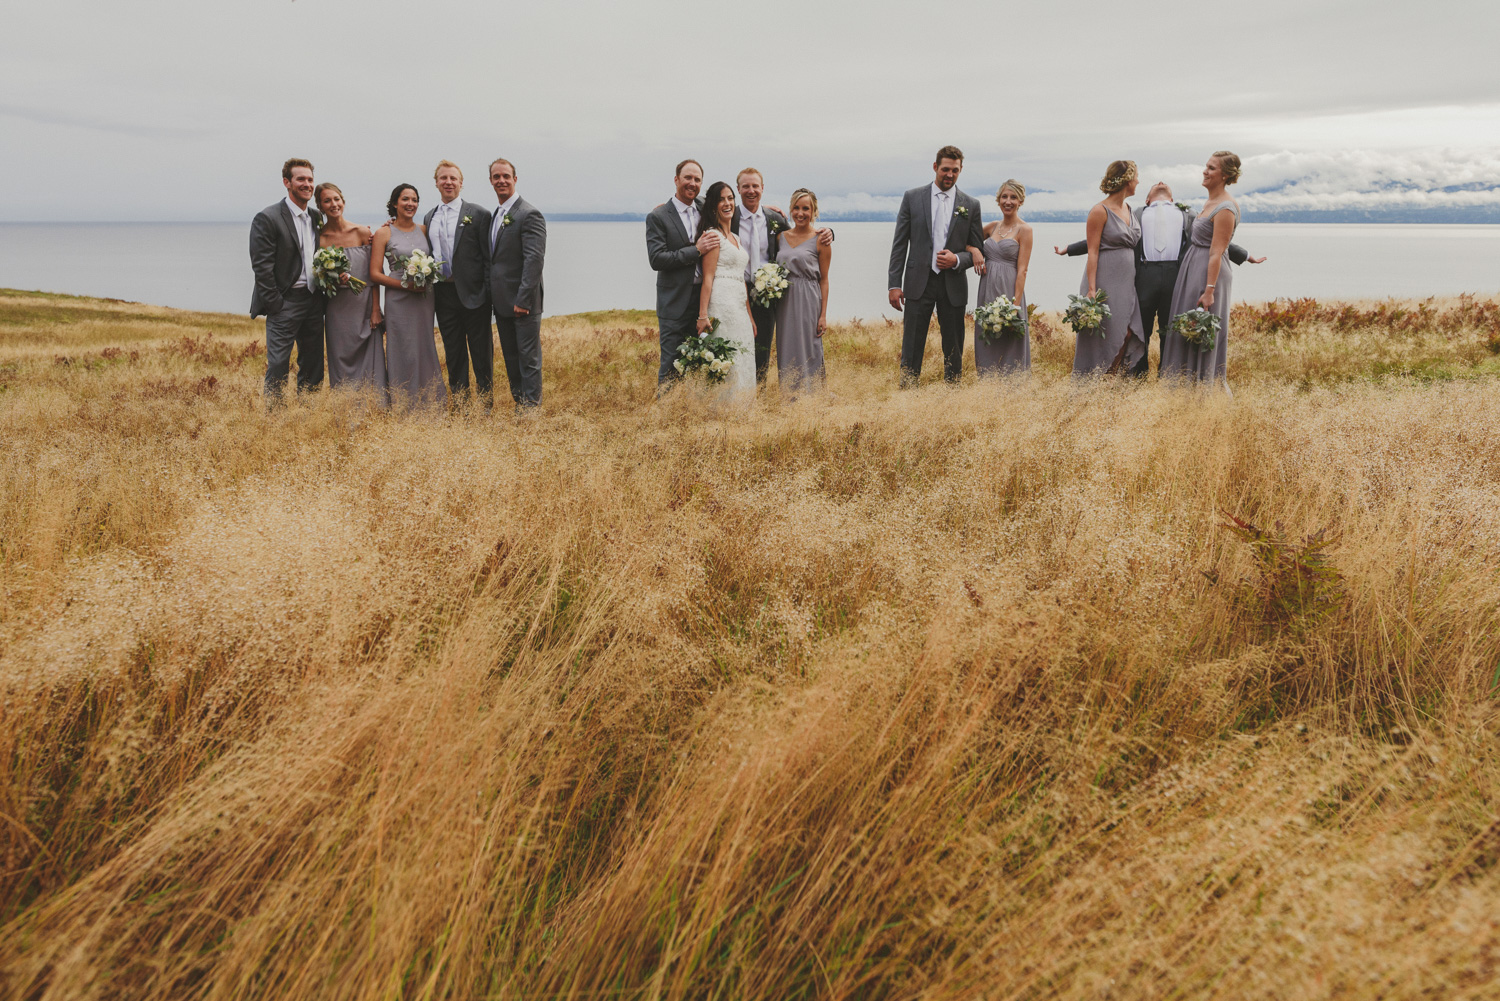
(1074, 249)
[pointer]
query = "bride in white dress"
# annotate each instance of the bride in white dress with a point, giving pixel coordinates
(724, 296)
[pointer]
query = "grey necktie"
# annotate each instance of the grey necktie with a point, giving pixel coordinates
(445, 249)
(939, 233)
(304, 234)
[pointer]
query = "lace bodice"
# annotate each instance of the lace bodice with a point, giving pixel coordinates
(732, 263)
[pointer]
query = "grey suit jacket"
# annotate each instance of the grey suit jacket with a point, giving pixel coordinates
(673, 253)
(1237, 254)
(276, 255)
(471, 259)
(515, 258)
(776, 224)
(911, 249)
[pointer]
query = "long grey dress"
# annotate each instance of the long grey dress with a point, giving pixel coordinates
(356, 358)
(1012, 352)
(411, 362)
(799, 349)
(1182, 360)
(1116, 276)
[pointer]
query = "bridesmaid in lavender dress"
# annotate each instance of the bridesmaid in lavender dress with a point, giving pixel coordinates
(1113, 233)
(1006, 256)
(356, 357)
(414, 374)
(802, 312)
(1205, 280)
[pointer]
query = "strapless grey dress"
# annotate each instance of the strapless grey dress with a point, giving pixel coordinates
(412, 368)
(799, 349)
(1116, 276)
(1012, 352)
(356, 357)
(1179, 359)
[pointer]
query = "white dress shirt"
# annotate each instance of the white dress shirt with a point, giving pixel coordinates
(942, 220)
(306, 239)
(688, 212)
(444, 232)
(499, 219)
(1161, 231)
(755, 237)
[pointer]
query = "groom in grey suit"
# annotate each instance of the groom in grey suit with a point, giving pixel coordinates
(674, 249)
(928, 260)
(283, 239)
(458, 230)
(516, 251)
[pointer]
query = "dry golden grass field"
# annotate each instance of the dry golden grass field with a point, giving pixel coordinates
(958, 693)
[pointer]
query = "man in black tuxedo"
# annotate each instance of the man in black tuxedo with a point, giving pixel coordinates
(458, 231)
(283, 239)
(1166, 231)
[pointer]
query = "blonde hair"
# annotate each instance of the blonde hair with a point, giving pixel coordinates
(748, 170)
(447, 163)
(1119, 174)
(1229, 165)
(1014, 185)
(804, 193)
(318, 192)
(500, 159)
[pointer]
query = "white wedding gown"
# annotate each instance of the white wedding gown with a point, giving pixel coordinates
(726, 303)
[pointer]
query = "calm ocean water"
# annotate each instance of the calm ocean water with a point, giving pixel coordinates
(602, 265)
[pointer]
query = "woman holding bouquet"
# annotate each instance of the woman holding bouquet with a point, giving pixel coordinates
(411, 361)
(1112, 232)
(802, 312)
(356, 357)
(1205, 281)
(1006, 256)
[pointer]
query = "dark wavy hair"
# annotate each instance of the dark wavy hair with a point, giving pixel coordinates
(390, 206)
(708, 218)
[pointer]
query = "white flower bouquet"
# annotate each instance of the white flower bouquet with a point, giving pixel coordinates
(709, 353)
(1086, 313)
(1198, 327)
(331, 272)
(996, 319)
(418, 268)
(769, 283)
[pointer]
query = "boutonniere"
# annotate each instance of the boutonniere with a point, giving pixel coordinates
(962, 211)
(773, 225)
(466, 220)
(1184, 206)
(506, 221)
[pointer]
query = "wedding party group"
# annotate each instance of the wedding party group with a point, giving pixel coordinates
(735, 280)
(317, 276)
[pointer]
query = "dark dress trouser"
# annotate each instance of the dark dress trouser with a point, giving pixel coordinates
(672, 331)
(1154, 282)
(765, 332)
(466, 338)
(918, 316)
(521, 344)
(299, 321)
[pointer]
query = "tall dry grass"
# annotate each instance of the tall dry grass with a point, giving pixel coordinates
(937, 694)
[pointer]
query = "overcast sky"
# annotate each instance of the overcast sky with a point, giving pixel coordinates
(170, 109)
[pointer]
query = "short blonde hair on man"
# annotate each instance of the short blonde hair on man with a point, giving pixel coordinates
(1230, 165)
(1014, 185)
(750, 170)
(804, 193)
(447, 163)
(500, 159)
(1118, 174)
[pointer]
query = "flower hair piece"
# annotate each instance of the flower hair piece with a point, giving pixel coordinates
(1119, 174)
